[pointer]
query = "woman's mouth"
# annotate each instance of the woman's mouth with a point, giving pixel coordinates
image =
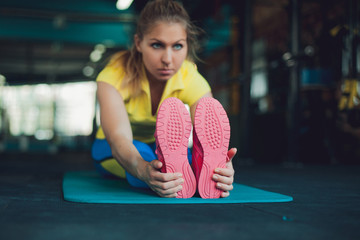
(165, 71)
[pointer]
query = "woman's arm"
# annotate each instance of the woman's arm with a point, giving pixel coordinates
(117, 129)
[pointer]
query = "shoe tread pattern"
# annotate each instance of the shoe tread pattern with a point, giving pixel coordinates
(173, 127)
(213, 131)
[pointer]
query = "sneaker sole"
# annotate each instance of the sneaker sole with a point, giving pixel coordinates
(173, 127)
(213, 131)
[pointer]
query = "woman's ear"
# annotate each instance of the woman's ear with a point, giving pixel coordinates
(137, 42)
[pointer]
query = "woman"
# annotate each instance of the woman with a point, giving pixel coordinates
(130, 90)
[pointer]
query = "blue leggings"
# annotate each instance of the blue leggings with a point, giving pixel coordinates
(103, 160)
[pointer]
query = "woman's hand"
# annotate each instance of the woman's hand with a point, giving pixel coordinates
(164, 184)
(225, 176)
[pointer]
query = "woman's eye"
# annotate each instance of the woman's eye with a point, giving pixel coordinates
(156, 45)
(178, 46)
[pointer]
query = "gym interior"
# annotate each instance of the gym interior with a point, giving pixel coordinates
(285, 71)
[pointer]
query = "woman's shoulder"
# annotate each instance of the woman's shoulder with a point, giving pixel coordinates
(188, 66)
(118, 58)
(117, 61)
(189, 71)
(114, 69)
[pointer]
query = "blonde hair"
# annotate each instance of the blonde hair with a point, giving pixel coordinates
(154, 11)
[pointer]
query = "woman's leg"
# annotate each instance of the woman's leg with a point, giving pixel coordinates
(106, 165)
(104, 162)
(147, 152)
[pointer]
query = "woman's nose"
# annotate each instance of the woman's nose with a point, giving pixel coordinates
(166, 57)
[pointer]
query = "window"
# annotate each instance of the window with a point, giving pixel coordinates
(44, 111)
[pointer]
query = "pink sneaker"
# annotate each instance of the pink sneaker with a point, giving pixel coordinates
(210, 146)
(173, 127)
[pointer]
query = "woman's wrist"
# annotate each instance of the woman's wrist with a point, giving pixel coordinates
(139, 168)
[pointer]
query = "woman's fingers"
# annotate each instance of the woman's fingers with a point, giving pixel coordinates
(231, 153)
(162, 177)
(168, 189)
(164, 184)
(224, 180)
(168, 184)
(156, 164)
(225, 194)
(224, 187)
(227, 172)
(224, 177)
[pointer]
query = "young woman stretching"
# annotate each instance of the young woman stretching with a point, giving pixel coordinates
(130, 90)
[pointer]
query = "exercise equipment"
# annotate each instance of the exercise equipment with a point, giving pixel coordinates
(91, 187)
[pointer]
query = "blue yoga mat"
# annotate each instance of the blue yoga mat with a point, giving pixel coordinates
(90, 187)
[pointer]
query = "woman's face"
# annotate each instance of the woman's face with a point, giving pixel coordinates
(163, 50)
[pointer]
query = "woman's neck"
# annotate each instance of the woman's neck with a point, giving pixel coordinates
(156, 91)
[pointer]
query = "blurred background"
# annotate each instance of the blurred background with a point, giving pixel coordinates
(286, 71)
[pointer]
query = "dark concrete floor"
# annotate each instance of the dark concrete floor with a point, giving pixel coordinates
(326, 205)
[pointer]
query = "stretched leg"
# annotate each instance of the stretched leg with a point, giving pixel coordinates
(147, 152)
(106, 165)
(104, 162)
(173, 127)
(211, 142)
